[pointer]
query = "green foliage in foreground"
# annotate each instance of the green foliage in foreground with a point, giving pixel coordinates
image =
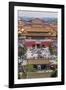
(54, 74)
(23, 75)
(22, 51)
(53, 51)
(30, 68)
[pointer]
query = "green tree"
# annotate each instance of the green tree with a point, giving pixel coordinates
(30, 68)
(54, 74)
(22, 51)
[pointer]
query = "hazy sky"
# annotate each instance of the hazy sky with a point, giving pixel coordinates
(37, 14)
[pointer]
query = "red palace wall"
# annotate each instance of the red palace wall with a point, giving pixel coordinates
(29, 43)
